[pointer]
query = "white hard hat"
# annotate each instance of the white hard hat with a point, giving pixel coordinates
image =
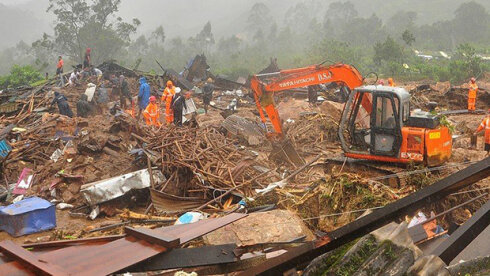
(177, 89)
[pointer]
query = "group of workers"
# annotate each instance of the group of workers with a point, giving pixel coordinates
(82, 71)
(472, 93)
(391, 82)
(174, 100)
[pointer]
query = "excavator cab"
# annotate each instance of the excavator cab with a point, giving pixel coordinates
(376, 125)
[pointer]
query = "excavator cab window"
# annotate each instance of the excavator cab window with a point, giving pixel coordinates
(386, 131)
(374, 125)
(360, 122)
(406, 111)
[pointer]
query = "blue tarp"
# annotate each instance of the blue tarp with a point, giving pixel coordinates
(4, 149)
(28, 216)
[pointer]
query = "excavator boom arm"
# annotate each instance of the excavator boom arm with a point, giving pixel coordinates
(343, 74)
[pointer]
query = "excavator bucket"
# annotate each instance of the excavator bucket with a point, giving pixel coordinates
(285, 151)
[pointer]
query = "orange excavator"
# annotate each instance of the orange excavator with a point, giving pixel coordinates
(376, 122)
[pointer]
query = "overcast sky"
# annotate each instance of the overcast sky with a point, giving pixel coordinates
(187, 17)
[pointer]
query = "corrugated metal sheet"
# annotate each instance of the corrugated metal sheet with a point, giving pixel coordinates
(174, 204)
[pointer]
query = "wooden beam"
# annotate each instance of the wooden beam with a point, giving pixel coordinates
(9, 248)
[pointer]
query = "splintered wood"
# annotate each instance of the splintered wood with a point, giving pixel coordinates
(205, 162)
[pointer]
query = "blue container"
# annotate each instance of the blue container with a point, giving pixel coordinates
(28, 216)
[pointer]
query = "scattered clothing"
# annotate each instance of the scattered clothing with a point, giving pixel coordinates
(233, 105)
(90, 91)
(62, 103)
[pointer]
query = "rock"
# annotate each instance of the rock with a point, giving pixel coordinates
(429, 266)
(67, 196)
(74, 188)
(478, 266)
(261, 227)
(386, 251)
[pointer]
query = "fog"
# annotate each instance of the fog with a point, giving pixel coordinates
(185, 18)
(240, 36)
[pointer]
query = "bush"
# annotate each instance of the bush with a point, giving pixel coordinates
(20, 75)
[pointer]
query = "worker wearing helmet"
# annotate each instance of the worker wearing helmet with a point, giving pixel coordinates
(391, 82)
(167, 96)
(152, 113)
(485, 125)
(472, 95)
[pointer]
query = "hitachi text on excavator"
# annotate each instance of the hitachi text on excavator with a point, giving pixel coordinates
(376, 122)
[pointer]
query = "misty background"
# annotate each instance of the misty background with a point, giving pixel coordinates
(399, 38)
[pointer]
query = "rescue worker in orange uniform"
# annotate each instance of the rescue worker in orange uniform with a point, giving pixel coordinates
(167, 96)
(152, 113)
(485, 125)
(472, 95)
(391, 82)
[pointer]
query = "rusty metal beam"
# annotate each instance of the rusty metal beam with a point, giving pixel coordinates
(375, 220)
(464, 235)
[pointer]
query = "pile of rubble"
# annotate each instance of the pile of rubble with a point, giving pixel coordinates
(142, 185)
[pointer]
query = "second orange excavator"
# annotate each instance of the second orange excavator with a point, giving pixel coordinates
(376, 122)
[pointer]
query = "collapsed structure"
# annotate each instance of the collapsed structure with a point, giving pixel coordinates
(134, 181)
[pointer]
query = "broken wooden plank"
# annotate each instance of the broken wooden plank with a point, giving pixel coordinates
(30, 260)
(152, 236)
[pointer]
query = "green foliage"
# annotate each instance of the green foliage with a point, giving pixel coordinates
(419, 179)
(20, 75)
(408, 37)
(445, 122)
(80, 24)
(388, 51)
(363, 251)
(465, 63)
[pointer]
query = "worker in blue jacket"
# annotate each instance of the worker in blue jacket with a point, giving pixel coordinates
(144, 95)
